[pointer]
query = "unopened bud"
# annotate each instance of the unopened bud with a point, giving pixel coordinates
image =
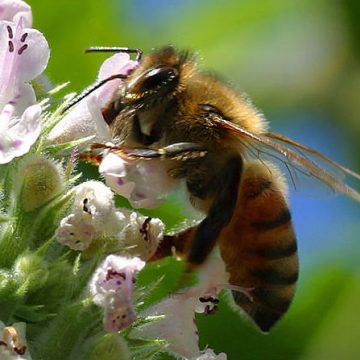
(31, 268)
(42, 181)
(109, 347)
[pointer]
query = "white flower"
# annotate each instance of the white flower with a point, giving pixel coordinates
(111, 288)
(93, 214)
(12, 342)
(141, 234)
(85, 119)
(178, 327)
(144, 183)
(75, 232)
(24, 54)
(95, 201)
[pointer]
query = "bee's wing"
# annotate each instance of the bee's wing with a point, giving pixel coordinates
(297, 158)
(316, 154)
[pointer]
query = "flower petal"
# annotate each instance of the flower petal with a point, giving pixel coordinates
(141, 235)
(24, 98)
(11, 10)
(111, 288)
(75, 232)
(119, 314)
(17, 140)
(82, 121)
(143, 183)
(86, 119)
(113, 165)
(24, 54)
(178, 327)
(117, 64)
(115, 275)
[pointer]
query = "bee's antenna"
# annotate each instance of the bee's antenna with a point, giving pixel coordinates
(98, 84)
(91, 88)
(128, 50)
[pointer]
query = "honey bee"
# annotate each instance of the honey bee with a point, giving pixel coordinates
(168, 107)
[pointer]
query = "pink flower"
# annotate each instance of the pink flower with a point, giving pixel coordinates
(17, 135)
(111, 288)
(12, 10)
(143, 183)
(85, 119)
(24, 54)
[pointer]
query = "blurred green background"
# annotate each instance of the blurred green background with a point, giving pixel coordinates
(299, 62)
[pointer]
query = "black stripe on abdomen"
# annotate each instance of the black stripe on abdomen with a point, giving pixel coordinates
(275, 252)
(273, 276)
(282, 219)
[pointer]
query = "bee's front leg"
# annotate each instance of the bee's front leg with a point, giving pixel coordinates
(178, 151)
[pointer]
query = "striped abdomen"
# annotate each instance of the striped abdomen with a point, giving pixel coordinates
(259, 246)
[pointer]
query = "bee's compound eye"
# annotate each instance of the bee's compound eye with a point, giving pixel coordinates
(158, 77)
(210, 109)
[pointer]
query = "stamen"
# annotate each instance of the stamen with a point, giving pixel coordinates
(244, 290)
(9, 29)
(23, 37)
(85, 206)
(112, 274)
(11, 46)
(22, 49)
(20, 350)
(145, 228)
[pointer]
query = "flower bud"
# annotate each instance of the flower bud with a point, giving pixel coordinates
(42, 181)
(31, 268)
(109, 347)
